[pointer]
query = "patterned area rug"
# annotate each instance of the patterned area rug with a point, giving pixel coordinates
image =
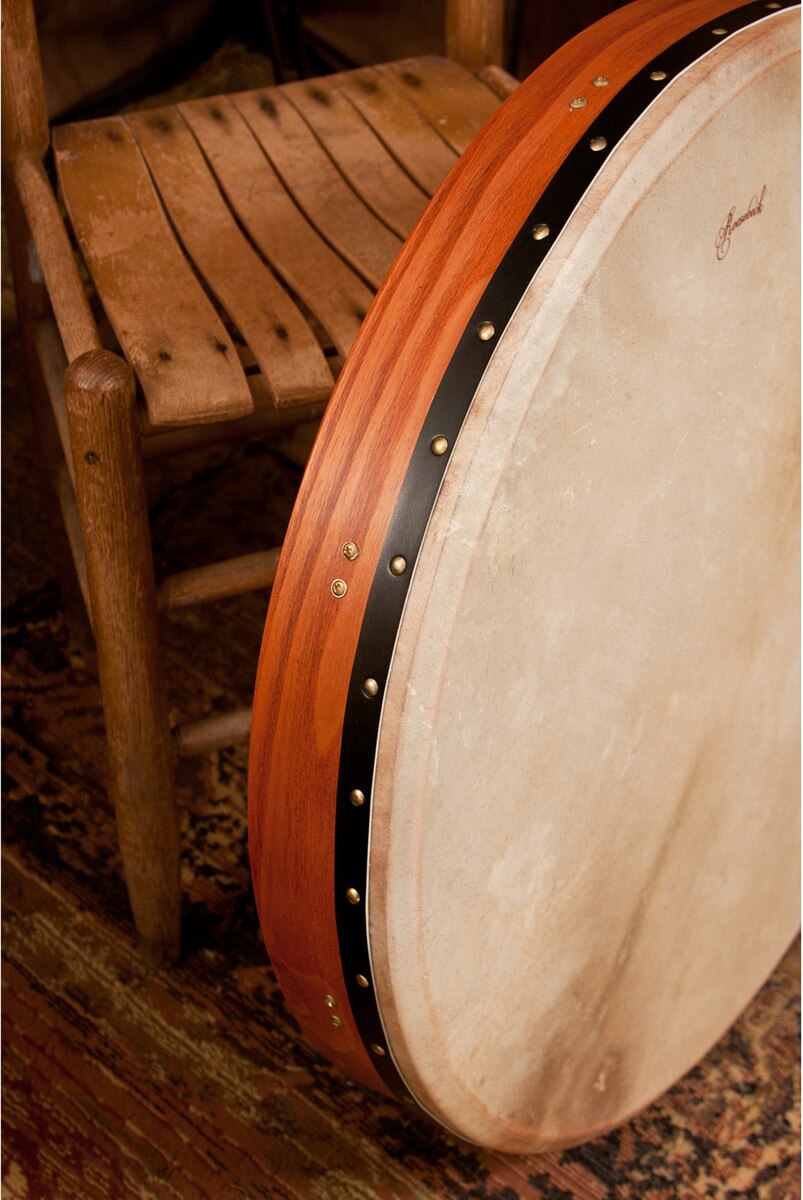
(194, 1083)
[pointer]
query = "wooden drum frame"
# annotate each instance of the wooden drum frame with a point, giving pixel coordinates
(662, 866)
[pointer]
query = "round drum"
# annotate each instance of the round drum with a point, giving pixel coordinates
(524, 765)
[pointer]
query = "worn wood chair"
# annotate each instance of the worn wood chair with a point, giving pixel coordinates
(233, 246)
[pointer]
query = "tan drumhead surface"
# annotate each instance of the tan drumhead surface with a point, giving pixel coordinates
(584, 832)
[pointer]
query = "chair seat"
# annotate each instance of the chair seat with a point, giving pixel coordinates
(235, 242)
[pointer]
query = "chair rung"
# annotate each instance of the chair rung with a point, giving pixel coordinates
(157, 443)
(233, 576)
(210, 733)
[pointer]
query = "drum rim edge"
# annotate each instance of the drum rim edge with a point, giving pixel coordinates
(277, 754)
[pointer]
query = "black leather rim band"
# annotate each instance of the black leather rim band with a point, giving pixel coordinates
(420, 488)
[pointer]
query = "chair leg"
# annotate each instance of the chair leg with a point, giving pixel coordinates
(33, 306)
(110, 490)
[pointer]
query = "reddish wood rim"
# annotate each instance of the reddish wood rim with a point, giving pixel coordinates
(353, 482)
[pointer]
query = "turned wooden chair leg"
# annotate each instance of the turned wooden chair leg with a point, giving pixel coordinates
(110, 488)
(32, 307)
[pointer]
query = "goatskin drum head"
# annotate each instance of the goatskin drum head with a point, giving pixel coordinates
(578, 809)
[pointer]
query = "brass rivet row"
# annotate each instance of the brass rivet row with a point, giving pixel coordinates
(438, 446)
(357, 797)
(352, 895)
(540, 232)
(398, 565)
(657, 76)
(339, 588)
(362, 981)
(336, 1021)
(486, 331)
(377, 1049)
(578, 102)
(330, 1001)
(350, 550)
(370, 688)
(598, 143)
(601, 81)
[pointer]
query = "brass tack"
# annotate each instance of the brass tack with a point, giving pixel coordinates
(352, 895)
(357, 797)
(398, 564)
(377, 1049)
(578, 102)
(439, 445)
(336, 1021)
(719, 31)
(339, 587)
(330, 1001)
(657, 76)
(486, 331)
(370, 687)
(598, 143)
(362, 981)
(350, 551)
(773, 6)
(601, 81)
(540, 232)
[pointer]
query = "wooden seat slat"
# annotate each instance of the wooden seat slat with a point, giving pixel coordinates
(169, 331)
(453, 100)
(326, 285)
(368, 166)
(282, 342)
(401, 126)
(317, 185)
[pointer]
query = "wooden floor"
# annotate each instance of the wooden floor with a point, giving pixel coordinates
(194, 1084)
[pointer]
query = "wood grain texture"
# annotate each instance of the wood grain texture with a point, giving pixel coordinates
(25, 126)
(172, 336)
(369, 168)
(454, 102)
(210, 733)
(353, 479)
(501, 82)
(68, 506)
(231, 577)
(474, 32)
(264, 419)
(402, 127)
(329, 288)
(100, 398)
(53, 364)
(283, 345)
(54, 256)
(316, 184)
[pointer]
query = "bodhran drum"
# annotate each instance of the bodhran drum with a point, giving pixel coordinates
(524, 762)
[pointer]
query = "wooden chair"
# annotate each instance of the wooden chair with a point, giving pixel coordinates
(233, 246)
